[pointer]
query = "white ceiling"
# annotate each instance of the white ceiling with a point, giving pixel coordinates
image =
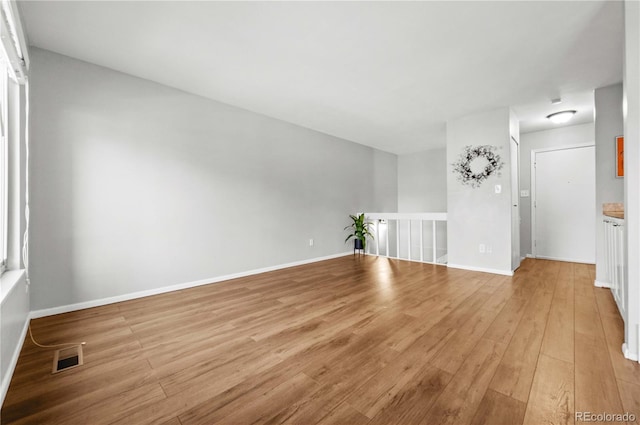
(384, 74)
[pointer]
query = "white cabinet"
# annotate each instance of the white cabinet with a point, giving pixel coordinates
(614, 245)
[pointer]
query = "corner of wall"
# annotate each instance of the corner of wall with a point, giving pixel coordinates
(478, 216)
(609, 123)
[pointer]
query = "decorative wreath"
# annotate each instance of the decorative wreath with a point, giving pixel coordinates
(471, 154)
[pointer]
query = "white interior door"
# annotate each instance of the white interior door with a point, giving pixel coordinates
(515, 209)
(564, 205)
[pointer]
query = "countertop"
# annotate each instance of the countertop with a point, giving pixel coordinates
(615, 210)
(614, 214)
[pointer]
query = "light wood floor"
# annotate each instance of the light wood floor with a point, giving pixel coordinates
(355, 340)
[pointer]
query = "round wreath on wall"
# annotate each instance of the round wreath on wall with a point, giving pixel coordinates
(476, 164)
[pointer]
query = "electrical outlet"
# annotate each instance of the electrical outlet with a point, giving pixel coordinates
(488, 249)
(481, 248)
(311, 242)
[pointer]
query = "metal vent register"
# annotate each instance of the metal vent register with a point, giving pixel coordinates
(67, 358)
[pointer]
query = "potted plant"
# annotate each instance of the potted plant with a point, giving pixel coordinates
(359, 231)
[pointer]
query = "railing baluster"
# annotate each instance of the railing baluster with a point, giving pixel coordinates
(421, 242)
(398, 238)
(387, 240)
(435, 242)
(409, 240)
(378, 237)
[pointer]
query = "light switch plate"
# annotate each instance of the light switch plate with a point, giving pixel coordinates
(524, 193)
(498, 188)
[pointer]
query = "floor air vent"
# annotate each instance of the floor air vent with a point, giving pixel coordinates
(67, 358)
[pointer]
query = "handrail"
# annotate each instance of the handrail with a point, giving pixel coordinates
(439, 216)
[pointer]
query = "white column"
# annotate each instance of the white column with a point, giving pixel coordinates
(631, 111)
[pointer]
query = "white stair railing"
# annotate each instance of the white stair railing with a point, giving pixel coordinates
(418, 236)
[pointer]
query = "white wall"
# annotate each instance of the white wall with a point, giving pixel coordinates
(137, 186)
(479, 216)
(608, 125)
(563, 136)
(14, 314)
(385, 181)
(632, 172)
(422, 181)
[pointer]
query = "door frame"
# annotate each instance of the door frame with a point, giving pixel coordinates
(533, 184)
(515, 221)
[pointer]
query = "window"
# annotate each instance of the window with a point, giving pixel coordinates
(13, 84)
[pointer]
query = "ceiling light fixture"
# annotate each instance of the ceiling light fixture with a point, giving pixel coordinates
(561, 117)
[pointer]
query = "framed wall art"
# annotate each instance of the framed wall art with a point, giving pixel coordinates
(620, 156)
(476, 164)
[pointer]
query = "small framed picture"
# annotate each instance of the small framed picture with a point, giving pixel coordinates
(620, 156)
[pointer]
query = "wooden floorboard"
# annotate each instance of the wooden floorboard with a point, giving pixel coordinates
(498, 409)
(354, 340)
(552, 393)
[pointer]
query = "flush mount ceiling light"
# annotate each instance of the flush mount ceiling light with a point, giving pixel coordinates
(561, 117)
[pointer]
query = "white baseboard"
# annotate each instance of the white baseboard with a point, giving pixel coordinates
(601, 284)
(628, 354)
(14, 361)
(481, 269)
(567, 260)
(125, 297)
(530, 256)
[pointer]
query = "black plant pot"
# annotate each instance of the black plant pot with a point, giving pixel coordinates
(357, 244)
